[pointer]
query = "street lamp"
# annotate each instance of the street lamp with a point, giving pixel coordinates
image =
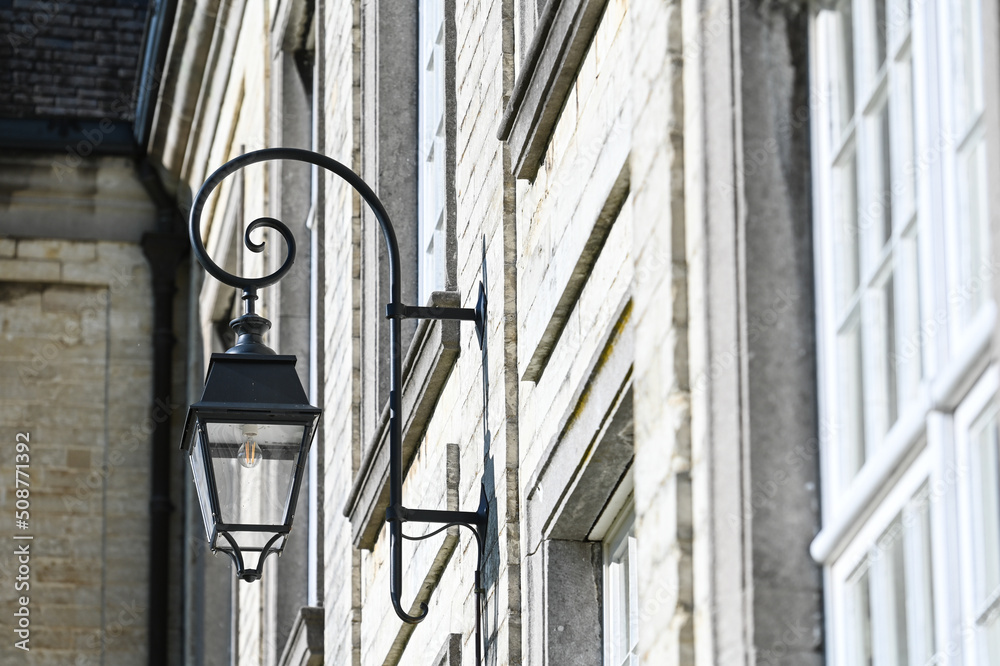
(249, 436)
(248, 439)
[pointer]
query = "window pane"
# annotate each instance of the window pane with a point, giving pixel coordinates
(899, 18)
(431, 171)
(908, 358)
(852, 404)
(885, 400)
(845, 75)
(967, 62)
(895, 636)
(876, 218)
(620, 609)
(879, 358)
(921, 624)
(846, 200)
(880, 28)
(973, 231)
(904, 179)
(993, 640)
(884, 193)
(983, 437)
(621, 596)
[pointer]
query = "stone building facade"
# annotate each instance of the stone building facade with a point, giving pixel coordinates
(620, 437)
(715, 235)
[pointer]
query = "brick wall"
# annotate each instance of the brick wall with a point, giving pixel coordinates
(62, 59)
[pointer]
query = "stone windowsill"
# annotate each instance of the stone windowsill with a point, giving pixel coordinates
(562, 37)
(305, 641)
(429, 361)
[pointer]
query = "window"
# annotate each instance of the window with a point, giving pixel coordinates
(887, 168)
(432, 146)
(905, 320)
(978, 450)
(965, 159)
(887, 600)
(876, 306)
(424, 225)
(621, 594)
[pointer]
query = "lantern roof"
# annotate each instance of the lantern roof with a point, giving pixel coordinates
(262, 385)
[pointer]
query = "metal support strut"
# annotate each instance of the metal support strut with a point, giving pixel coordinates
(397, 514)
(476, 521)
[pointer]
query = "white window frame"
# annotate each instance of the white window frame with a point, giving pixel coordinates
(621, 537)
(956, 139)
(920, 449)
(941, 352)
(981, 400)
(432, 150)
(914, 489)
(877, 262)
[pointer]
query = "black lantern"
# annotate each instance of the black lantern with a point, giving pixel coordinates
(248, 439)
(249, 436)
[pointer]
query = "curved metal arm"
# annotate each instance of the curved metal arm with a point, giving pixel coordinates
(395, 291)
(249, 285)
(297, 155)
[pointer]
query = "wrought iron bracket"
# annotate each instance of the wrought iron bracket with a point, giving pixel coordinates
(477, 521)
(476, 314)
(397, 514)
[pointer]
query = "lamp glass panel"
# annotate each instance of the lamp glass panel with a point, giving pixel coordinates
(254, 467)
(199, 470)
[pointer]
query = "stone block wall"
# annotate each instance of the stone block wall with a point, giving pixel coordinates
(595, 265)
(76, 358)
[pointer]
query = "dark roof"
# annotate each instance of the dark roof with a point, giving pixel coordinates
(70, 60)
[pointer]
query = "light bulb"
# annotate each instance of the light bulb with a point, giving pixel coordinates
(250, 452)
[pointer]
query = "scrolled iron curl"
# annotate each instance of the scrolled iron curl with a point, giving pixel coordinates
(246, 283)
(297, 155)
(216, 271)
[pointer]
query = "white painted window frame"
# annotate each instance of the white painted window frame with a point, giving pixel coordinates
(919, 449)
(913, 489)
(875, 266)
(981, 401)
(431, 146)
(621, 537)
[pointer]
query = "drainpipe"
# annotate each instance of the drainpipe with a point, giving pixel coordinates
(164, 250)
